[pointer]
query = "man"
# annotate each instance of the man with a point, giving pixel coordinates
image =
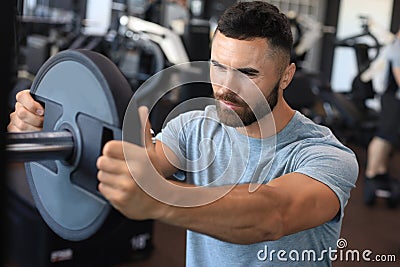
(387, 136)
(295, 215)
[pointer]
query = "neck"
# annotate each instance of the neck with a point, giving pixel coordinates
(271, 124)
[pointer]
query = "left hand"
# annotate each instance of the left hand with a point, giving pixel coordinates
(116, 181)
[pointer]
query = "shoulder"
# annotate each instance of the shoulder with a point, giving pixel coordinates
(321, 155)
(302, 128)
(317, 141)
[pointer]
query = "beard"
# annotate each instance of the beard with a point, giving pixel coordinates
(246, 115)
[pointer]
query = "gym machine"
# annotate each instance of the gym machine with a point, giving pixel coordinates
(345, 113)
(305, 91)
(358, 121)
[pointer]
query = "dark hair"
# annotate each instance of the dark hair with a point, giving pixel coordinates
(249, 20)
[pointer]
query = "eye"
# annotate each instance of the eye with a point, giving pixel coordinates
(249, 72)
(218, 67)
(250, 75)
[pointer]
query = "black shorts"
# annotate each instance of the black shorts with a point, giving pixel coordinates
(389, 118)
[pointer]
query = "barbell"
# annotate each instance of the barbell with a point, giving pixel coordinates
(85, 97)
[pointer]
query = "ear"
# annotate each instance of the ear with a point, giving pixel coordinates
(287, 75)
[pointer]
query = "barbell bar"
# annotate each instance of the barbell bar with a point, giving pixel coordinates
(36, 146)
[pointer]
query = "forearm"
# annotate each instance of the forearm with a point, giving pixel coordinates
(238, 217)
(279, 208)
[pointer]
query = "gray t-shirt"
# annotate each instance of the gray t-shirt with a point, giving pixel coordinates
(224, 156)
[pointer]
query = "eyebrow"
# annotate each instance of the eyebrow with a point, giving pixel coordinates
(247, 70)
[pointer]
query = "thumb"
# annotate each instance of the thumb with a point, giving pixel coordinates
(147, 135)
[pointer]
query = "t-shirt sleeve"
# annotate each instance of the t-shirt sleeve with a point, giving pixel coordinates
(174, 135)
(334, 165)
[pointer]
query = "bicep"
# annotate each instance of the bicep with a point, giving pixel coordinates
(165, 160)
(306, 202)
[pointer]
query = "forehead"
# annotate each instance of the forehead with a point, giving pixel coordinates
(241, 53)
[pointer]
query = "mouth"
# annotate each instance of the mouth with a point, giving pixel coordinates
(230, 105)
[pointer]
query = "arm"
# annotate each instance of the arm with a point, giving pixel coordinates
(283, 206)
(286, 205)
(291, 203)
(396, 74)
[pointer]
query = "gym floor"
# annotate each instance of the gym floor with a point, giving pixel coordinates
(375, 228)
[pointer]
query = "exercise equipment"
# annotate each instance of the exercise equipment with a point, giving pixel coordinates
(169, 41)
(85, 98)
(306, 32)
(307, 89)
(355, 121)
(84, 95)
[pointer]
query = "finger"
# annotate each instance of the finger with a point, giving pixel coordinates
(114, 149)
(21, 125)
(11, 128)
(121, 182)
(24, 97)
(27, 116)
(109, 192)
(111, 165)
(109, 179)
(105, 190)
(147, 137)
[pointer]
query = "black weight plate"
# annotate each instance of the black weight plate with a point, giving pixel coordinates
(76, 84)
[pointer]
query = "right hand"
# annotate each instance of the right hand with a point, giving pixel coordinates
(121, 166)
(28, 114)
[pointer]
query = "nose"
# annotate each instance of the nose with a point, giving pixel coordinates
(225, 82)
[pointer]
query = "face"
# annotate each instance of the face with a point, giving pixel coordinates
(245, 79)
